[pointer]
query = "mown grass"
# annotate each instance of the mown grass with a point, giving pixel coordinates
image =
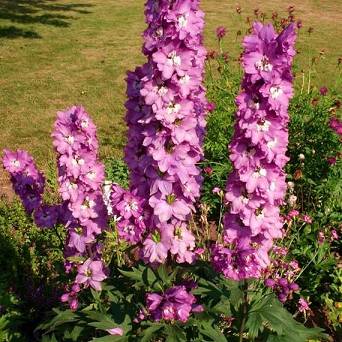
(57, 53)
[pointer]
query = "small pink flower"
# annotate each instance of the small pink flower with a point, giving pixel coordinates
(208, 170)
(332, 160)
(115, 331)
(74, 304)
(199, 251)
(221, 32)
(323, 91)
(293, 213)
(307, 219)
(216, 190)
(303, 305)
(211, 106)
(334, 235)
(91, 273)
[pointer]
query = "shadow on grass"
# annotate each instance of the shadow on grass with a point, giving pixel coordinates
(45, 12)
(12, 32)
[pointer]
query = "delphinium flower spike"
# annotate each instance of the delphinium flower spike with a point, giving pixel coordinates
(166, 119)
(80, 177)
(256, 187)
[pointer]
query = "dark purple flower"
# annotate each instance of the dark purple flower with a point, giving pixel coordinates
(221, 31)
(323, 91)
(46, 216)
(176, 304)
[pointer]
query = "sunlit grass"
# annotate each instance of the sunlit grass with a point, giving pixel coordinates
(55, 53)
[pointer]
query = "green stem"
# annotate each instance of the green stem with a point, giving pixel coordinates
(221, 212)
(59, 237)
(307, 265)
(244, 309)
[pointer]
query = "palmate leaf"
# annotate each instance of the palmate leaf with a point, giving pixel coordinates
(207, 329)
(145, 277)
(135, 274)
(51, 338)
(62, 317)
(175, 334)
(74, 334)
(149, 333)
(269, 313)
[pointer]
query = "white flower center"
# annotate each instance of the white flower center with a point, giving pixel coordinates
(276, 92)
(263, 172)
(72, 186)
(91, 175)
(116, 218)
(174, 59)
(159, 32)
(133, 206)
(88, 204)
(182, 21)
(272, 186)
(162, 91)
(244, 199)
(184, 79)
(84, 123)
(264, 64)
(272, 143)
(260, 173)
(70, 139)
(261, 215)
(173, 108)
(77, 162)
(264, 126)
(253, 104)
(15, 163)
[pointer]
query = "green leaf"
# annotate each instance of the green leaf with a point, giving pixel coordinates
(136, 274)
(236, 294)
(61, 318)
(149, 277)
(222, 307)
(99, 317)
(148, 333)
(75, 333)
(207, 329)
(163, 274)
(175, 334)
(102, 325)
(269, 313)
(51, 338)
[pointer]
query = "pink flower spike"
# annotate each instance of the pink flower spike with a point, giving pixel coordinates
(257, 185)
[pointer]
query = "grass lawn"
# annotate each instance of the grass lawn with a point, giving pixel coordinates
(57, 53)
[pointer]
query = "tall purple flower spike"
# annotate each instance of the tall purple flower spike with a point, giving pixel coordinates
(80, 178)
(28, 183)
(256, 187)
(82, 211)
(166, 113)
